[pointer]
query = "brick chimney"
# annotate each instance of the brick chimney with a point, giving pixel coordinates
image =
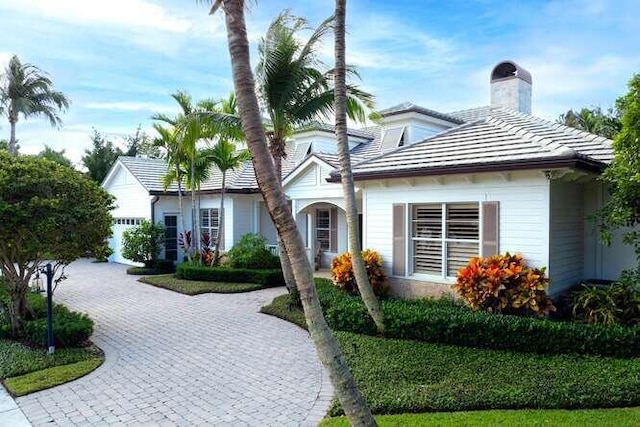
(511, 87)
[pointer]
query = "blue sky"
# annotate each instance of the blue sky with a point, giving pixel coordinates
(118, 61)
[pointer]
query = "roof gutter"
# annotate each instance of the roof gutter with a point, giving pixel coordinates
(213, 191)
(154, 200)
(575, 162)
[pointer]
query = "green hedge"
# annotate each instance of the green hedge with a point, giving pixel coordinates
(445, 322)
(70, 328)
(160, 266)
(230, 275)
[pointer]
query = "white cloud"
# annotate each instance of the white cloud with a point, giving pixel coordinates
(130, 106)
(128, 13)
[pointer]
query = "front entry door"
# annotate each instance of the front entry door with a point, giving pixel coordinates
(171, 237)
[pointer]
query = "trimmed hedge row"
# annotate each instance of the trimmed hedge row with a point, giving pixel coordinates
(272, 277)
(442, 321)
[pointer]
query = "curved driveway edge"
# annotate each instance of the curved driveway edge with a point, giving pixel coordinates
(172, 359)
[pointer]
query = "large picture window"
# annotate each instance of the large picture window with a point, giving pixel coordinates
(444, 237)
(209, 222)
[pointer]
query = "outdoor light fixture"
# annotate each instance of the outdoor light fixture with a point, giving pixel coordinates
(36, 284)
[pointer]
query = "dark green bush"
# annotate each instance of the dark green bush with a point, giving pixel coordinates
(263, 277)
(70, 329)
(442, 321)
(160, 266)
(251, 252)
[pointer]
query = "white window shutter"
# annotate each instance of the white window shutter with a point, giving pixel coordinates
(490, 244)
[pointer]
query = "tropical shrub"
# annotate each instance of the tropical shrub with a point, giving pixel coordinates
(251, 252)
(617, 303)
(70, 328)
(343, 277)
(206, 256)
(102, 252)
(143, 242)
(444, 321)
(504, 284)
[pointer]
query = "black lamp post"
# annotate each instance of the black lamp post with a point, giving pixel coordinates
(48, 271)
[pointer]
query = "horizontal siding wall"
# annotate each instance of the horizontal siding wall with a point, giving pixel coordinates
(566, 248)
(132, 199)
(524, 209)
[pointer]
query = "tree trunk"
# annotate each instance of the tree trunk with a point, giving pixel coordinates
(348, 190)
(285, 262)
(184, 224)
(13, 150)
(195, 215)
(328, 351)
(216, 253)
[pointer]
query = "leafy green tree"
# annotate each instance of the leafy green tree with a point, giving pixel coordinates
(622, 209)
(139, 144)
(27, 90)
(48, 212)
(143, 242)
(592, 120)
(99, 159)
(55, 156)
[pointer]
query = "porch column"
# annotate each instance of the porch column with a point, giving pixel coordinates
(310, 239)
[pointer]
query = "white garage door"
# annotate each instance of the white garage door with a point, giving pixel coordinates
(115, 242)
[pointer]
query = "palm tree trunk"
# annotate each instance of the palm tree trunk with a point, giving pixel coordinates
(340, 92)
(285, 262)
(354, 405)
(195, 215)
(216, 253)
(184, 224)
(13, 150)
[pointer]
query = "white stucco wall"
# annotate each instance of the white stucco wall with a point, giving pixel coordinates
(524, 211)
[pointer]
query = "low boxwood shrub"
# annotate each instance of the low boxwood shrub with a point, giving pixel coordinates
(442, 321)
(159, 266)
(70, 328)
(271, 277)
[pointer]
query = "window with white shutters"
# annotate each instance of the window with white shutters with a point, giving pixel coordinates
(444, 237)
(209, 222)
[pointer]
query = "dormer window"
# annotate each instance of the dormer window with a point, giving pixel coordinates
(392, 138)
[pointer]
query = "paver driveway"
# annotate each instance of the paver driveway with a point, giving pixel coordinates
(173, 359)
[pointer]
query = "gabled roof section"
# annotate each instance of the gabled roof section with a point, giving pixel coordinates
(324, 127)
(311, 159)
(408, 107)
(148, 172)
(501, 141)
(472, 114)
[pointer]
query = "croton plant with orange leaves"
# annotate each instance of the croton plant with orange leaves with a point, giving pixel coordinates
(504, 284)
(343, 277)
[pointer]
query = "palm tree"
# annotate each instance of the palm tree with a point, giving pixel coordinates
(176, 159)
(354, 406)
(296, 88)
(225, 157)
(348, 190)
(26, 90)
(593, 120)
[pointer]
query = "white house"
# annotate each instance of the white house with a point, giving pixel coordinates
(433, 189)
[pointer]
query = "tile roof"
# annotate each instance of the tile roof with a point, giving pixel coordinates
(502, 136)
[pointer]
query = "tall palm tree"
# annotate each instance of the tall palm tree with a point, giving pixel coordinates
(174, 155)
(26, 90)
(296, 88)
(225, 157)
(332, 358)
(348, 189)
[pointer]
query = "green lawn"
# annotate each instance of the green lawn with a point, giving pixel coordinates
(621, 417)
(401, 376)
(25, 370)
(194, 287)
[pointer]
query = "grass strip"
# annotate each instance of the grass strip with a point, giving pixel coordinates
(195, 287)
(620, 417)
(50, 377)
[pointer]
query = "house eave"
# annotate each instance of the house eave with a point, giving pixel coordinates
(206, 192)
(584, 164)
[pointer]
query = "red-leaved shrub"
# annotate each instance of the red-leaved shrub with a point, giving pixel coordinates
(343, 277)
(504, 284)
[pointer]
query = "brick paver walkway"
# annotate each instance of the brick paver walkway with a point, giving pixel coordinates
(173, 359)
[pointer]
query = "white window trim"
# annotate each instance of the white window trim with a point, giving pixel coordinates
(328, 229)
(213, 231)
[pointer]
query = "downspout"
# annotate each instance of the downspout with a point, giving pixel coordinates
(154, 200)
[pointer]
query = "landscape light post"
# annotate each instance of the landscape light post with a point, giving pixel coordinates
(36, 286)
